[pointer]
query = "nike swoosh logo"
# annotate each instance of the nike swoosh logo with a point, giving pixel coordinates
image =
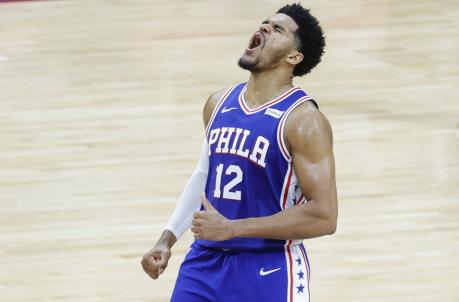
(224, 110)
(264, 273)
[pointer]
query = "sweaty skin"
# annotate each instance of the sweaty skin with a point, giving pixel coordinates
(310, 142)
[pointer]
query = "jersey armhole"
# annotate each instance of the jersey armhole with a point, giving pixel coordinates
(281, 127)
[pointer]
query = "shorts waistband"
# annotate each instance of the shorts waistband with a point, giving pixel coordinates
(240, 250)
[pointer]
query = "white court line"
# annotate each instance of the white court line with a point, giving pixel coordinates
(3, 58)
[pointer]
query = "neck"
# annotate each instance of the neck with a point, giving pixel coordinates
(266, 85)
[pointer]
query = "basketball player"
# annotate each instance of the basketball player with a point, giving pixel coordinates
(265, 179)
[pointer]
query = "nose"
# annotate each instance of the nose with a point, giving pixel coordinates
(265, 28)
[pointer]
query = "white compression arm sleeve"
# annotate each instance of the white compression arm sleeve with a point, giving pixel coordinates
(190, 200)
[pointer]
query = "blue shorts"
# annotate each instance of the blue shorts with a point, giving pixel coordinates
(208, 275)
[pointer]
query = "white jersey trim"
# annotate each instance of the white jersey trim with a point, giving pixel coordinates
(280, 129)
(291, 195)
(247, 110)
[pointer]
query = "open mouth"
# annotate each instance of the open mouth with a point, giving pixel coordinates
(255, 41)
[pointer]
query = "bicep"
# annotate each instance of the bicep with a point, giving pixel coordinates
(311, 146)
(316, 178)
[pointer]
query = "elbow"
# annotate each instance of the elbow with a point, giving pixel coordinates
(322, 227)
(332, 223)
(331, 229)
(329, 226)
(323, 223)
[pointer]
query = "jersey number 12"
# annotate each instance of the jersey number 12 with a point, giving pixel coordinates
(227, 193)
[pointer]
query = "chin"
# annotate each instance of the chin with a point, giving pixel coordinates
(247, 64)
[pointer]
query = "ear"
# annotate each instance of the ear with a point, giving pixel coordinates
(294, 58)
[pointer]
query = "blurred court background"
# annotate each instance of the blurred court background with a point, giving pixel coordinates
(100, 127)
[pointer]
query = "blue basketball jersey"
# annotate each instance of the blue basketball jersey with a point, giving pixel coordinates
(250, 168)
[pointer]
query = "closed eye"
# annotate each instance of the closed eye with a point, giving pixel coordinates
(276, 26)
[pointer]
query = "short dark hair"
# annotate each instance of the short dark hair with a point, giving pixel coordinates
(310, 36)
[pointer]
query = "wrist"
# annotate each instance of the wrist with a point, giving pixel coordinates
(167, 239)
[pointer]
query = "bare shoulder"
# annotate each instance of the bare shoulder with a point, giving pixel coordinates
(309, 131)
(211, 102)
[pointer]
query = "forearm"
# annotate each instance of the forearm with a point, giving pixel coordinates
(300, 222)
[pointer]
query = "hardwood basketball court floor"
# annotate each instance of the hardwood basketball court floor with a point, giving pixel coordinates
(100, 127)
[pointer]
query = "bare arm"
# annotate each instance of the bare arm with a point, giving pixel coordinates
(309, 136)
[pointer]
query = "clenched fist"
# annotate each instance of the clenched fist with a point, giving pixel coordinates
(154, 262)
